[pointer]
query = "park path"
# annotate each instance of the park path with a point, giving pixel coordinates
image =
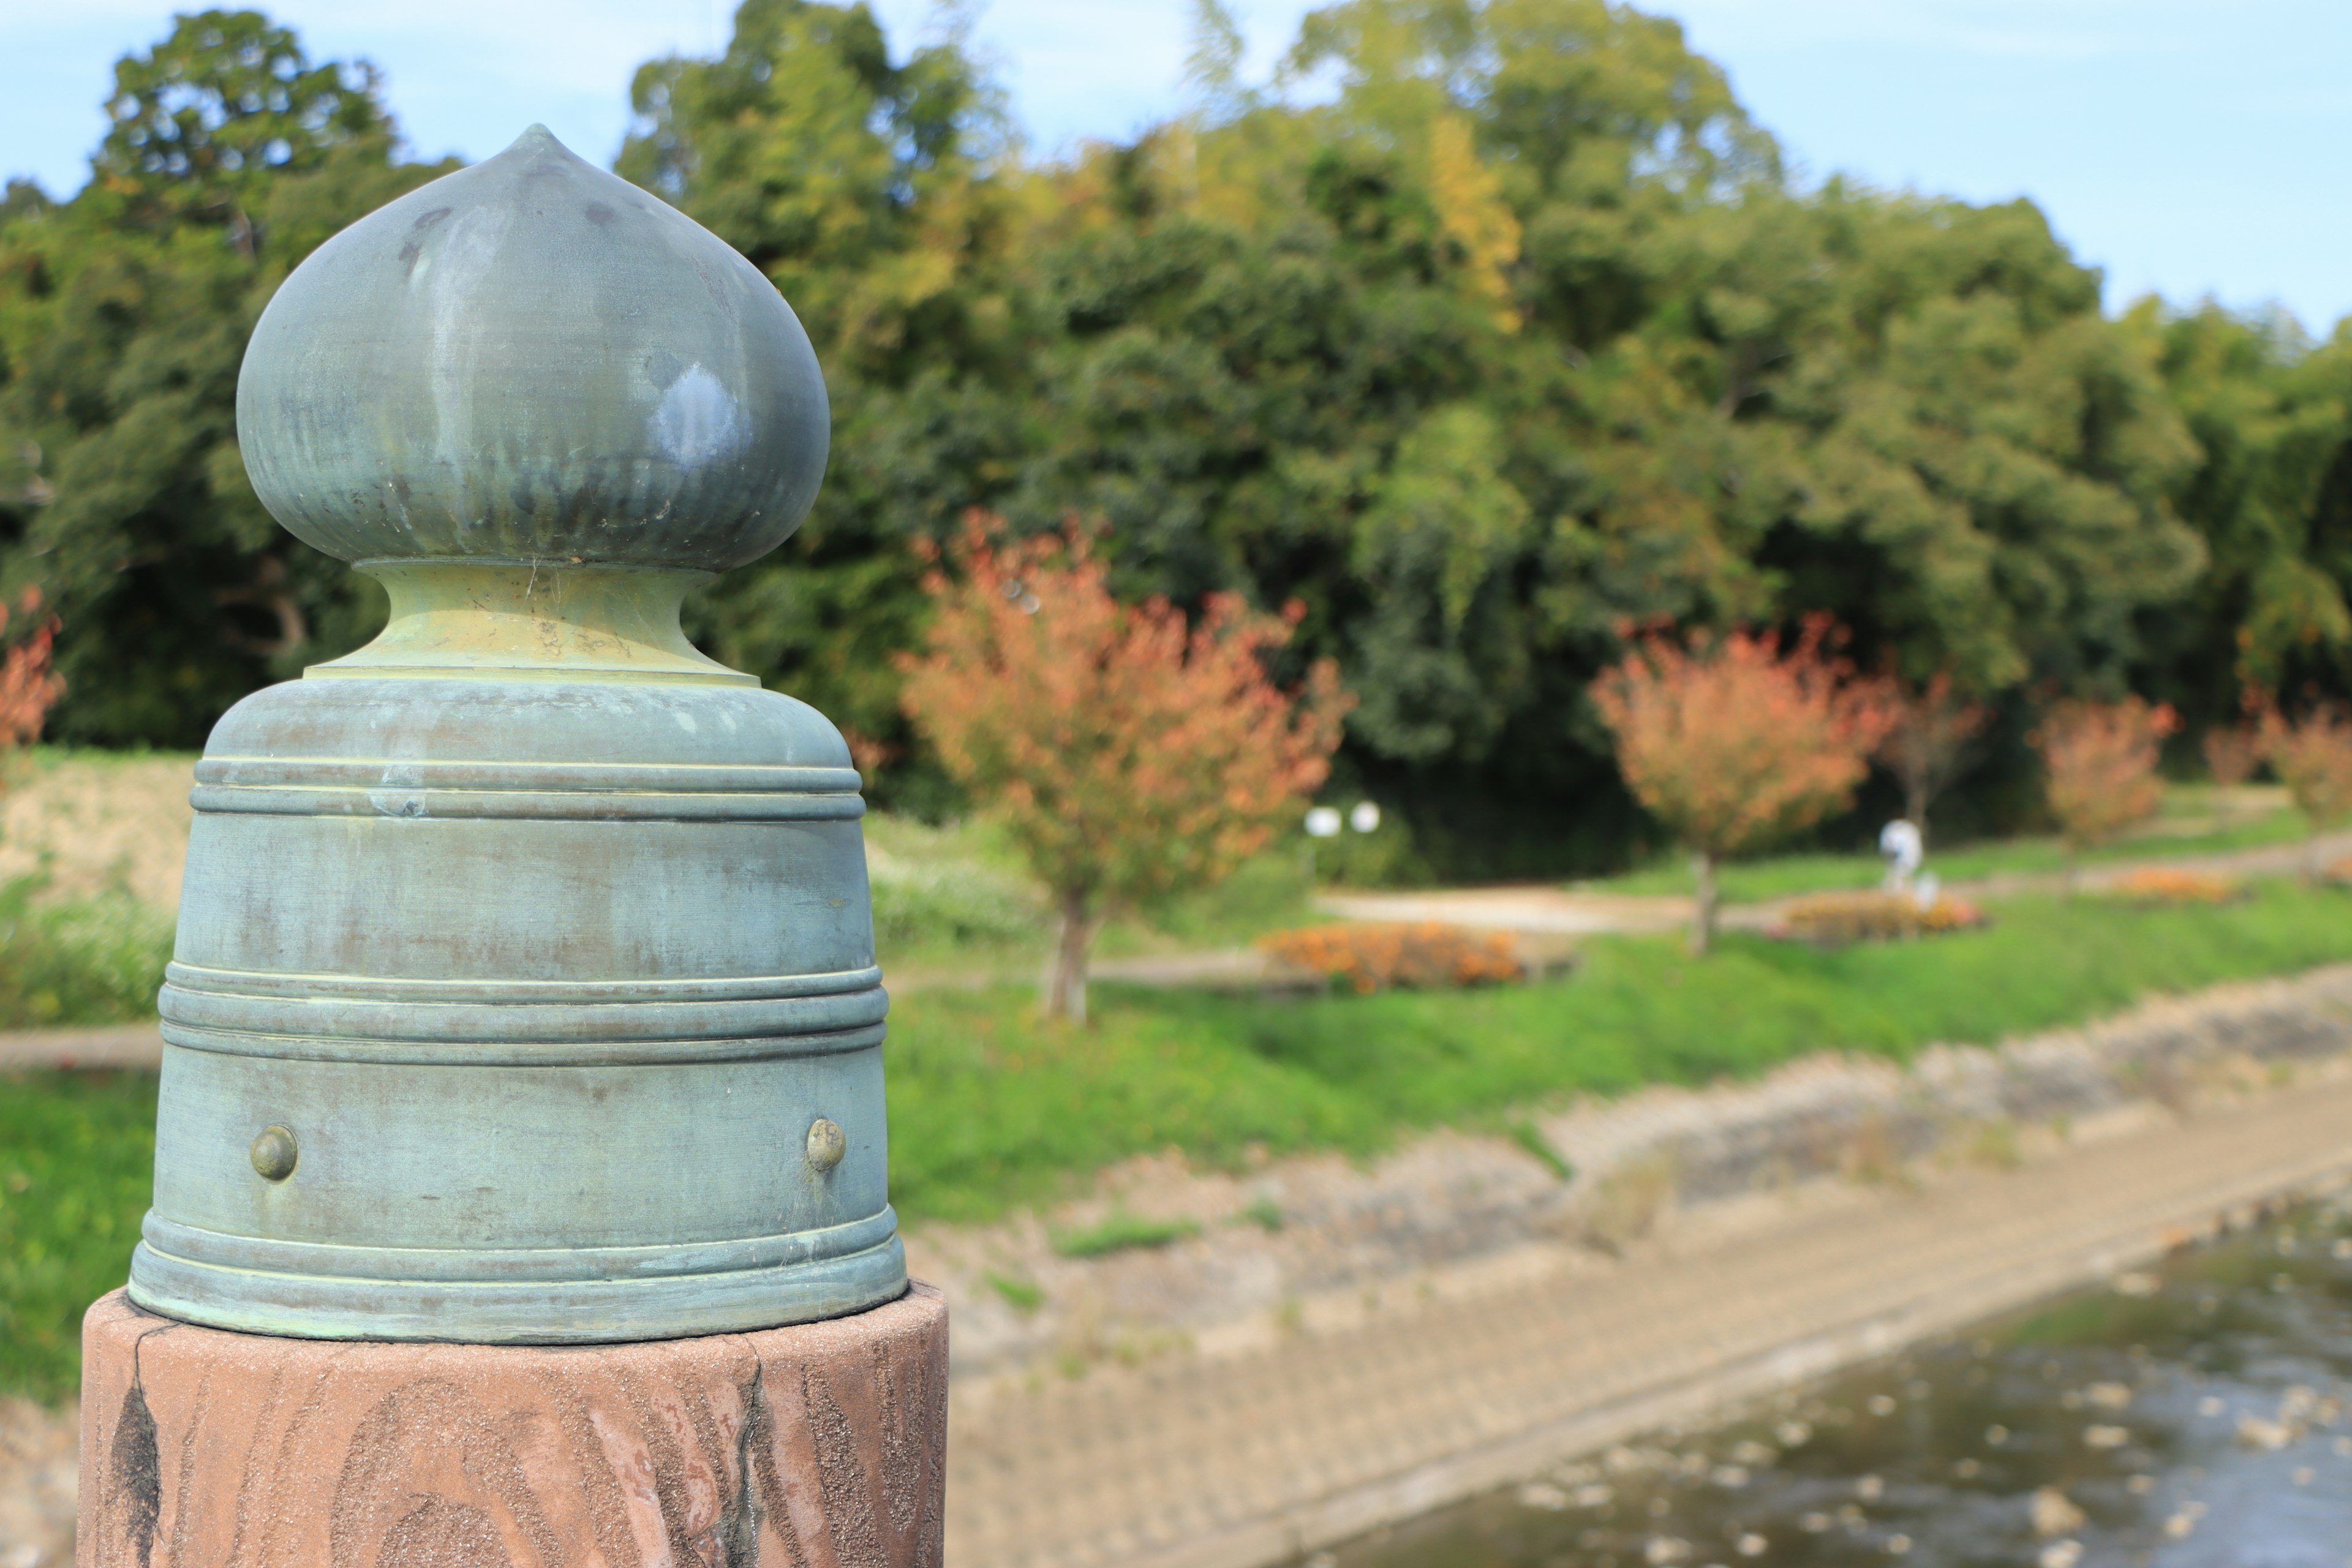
(1255, 1459)
(1552, 908)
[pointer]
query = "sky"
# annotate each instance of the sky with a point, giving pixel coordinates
(2185, 147)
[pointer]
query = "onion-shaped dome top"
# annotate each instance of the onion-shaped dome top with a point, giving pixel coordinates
(532, 360)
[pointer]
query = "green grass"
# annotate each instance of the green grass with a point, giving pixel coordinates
(1122, 1232)
(990, 1108)
(1022, 1295)
(77, 1158)
(1266, 1215)
(1529, 1136)
(1786, 876)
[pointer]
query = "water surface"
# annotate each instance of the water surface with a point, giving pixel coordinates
(2192, 1416)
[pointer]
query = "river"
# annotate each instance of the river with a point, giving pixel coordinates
(2191, 1415)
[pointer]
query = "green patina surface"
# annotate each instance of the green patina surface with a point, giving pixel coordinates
(521, 952)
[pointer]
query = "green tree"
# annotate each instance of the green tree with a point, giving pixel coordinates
(124, 317)
(864, 187)
(2271, 494)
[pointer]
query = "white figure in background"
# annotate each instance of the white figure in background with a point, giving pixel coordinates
(1323, 822)
(1365, 817)
(1900, 846)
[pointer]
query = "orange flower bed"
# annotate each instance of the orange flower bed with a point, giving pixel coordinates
(2159, 885)
(1421, 954)
(1836, 920)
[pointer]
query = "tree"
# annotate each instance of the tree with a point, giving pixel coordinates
(1732, 743)
(1927, 740)
(202, 123)
(862, 182)
(1515, 336)
(2271, 495)
(28, 686)
(124, 317)
(2232, 751)
(1130, 754)
(2313, 757)
(2101, 760)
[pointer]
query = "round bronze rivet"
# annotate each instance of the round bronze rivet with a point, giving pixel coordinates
(826, 1144)
(274, 1151)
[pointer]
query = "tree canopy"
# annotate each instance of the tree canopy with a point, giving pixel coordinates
(1518, 338)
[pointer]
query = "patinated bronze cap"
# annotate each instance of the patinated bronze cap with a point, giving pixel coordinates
(524, 987)
(528, 360)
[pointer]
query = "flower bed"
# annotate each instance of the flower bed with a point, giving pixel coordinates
(1419, 954)
(2159, 885)
(1838, 919)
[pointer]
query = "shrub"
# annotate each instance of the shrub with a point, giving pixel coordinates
(93, 961)
(1417, 955)
(1839, 919)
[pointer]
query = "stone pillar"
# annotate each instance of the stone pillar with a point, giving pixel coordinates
(520, 1174)
(819, 1445)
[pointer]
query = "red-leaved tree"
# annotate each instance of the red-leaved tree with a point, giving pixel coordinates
(29, 686)
(2313, 757)
(2232, 752)
(1732, 741)
(1129, 753)
(1926, 741)
(2100, 758)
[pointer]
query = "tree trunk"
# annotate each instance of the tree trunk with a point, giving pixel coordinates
(1702, 931)
(1914, 806)
(1065, 981)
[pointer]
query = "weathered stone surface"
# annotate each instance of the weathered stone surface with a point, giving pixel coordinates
(819, 1446)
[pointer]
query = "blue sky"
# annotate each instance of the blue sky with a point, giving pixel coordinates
(2187, 147)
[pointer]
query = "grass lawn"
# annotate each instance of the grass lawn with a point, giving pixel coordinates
(991, 1110)
(76, 1155)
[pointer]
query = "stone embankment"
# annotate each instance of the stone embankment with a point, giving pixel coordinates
(1335, 1347)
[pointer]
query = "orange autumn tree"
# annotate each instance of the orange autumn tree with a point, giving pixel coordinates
(2313, 757)
(1130, 753)
(2100, 758)
(1732, 741)
(29, 686)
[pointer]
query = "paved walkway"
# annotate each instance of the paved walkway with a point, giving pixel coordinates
(1198, 1463)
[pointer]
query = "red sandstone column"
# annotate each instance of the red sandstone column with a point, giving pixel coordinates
(818, 1446)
